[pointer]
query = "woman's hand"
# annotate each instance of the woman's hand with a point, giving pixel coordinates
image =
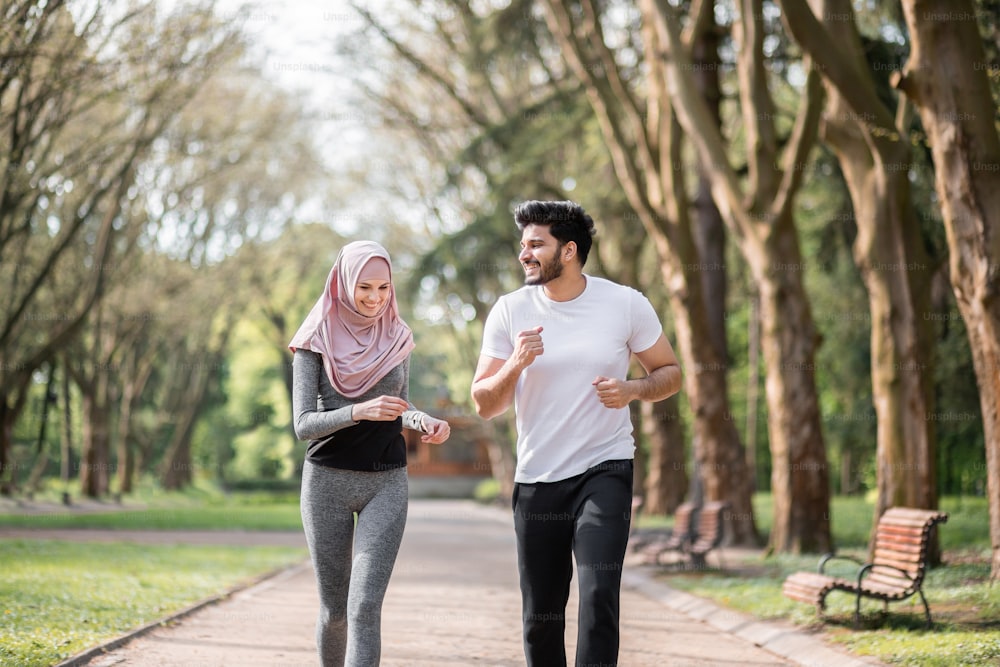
(381, 409)
(436, 430)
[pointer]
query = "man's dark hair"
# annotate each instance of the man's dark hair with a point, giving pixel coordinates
(566, 220)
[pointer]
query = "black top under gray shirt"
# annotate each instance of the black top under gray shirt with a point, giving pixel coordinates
(323, 416)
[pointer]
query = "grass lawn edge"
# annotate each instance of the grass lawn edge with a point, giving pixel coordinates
(270, 577)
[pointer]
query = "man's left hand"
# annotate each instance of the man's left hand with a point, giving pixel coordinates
(612, 392)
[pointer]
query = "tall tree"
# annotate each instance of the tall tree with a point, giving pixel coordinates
(82, 98)
(762, 224)
(947, 79)
(645, 150)
(762, 221)
(872, 145)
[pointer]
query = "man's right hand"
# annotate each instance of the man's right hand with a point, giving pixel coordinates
(381, 409)
(527, 346)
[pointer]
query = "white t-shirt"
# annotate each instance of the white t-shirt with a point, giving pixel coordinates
(562, 427)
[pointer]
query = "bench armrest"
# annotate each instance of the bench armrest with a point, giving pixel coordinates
(832, 556)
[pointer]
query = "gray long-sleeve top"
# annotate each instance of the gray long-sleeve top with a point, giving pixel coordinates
(323, 416)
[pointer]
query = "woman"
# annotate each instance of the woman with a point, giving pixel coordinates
(350, 374)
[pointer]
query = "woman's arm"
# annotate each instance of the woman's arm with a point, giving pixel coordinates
(436, 430)
(412, 418)
(309, 422)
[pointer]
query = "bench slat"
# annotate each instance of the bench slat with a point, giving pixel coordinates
(910, 568)
(915, 544)
(902, 532)
(897, 556)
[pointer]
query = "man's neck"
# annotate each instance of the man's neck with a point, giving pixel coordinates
(566, 287)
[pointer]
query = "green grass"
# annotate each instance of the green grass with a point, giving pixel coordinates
(965, 608)
(249, 511)
(59, 598)
(228, 517)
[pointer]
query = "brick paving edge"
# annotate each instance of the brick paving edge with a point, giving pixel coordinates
(85, 656)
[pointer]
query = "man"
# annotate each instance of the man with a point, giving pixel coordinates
(559, 349)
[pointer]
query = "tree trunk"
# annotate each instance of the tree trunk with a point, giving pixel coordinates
(502, 460)
(709, 229)
(42, 460)
(720, 459)
(95, 463)
(126, 454)
(947, 79)
(888, 250)
(135, 377)
(177, 469)
(641, 458)
(646, 156)
(753, 384)
(761, 221)
(66, 441)
(177, 463)
(799, 473)
(666, 482)
(7, 419)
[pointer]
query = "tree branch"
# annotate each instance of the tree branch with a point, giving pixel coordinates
(804, 134)
(837, 67)
(755, 101)
(471, 110)
(694, 116)
(561, 26)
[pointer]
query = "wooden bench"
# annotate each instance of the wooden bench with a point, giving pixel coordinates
(683, 531)
(697, 530)
(650, 550)
(708, 532)
(895, 573)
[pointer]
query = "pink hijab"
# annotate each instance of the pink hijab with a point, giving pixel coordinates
(357, 350)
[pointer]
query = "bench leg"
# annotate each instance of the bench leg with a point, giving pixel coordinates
(927, 609)
(857, 611)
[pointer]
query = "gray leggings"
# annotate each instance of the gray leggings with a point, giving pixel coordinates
(351, 589)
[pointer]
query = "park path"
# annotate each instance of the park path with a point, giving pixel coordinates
(453, 600)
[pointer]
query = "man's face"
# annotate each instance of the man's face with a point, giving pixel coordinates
(540, 255)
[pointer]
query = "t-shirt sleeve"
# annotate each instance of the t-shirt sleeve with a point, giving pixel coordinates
(498, 340)
(645, 323)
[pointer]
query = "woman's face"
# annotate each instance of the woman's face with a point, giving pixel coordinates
(371, 294)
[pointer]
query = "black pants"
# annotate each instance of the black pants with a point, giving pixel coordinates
(586, 517)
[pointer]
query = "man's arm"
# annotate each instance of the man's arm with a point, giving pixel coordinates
(493, 386)
(495, 380)
(663, 378)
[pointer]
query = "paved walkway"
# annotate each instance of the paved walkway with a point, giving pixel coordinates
(454, 600)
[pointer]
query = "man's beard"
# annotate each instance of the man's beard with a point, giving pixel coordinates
(546, 272)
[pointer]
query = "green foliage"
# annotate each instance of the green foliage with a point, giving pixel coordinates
(256, 416)
(59, 598)
(487, 490)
